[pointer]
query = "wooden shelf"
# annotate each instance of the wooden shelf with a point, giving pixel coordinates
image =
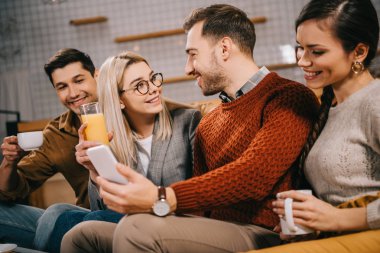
(90, 20)
(171, 32)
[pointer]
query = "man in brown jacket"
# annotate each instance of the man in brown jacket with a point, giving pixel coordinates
(72, 74)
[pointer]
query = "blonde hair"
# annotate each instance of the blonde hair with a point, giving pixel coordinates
(109, 85)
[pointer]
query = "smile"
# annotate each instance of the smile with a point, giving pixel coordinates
(309, 75)
(77, 101)
(153, 100)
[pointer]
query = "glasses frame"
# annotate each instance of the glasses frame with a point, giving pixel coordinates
(136, 88)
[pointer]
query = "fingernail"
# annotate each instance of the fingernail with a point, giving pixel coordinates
(278, 195)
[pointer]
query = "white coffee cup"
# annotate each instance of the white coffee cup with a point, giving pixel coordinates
(288, 226)
(30, 140)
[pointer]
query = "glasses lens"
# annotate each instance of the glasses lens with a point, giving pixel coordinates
(157, 79)
(143, 87)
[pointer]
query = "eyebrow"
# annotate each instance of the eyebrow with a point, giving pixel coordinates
(310, 45)
(79, 75)
(140, 78)
(74, 77)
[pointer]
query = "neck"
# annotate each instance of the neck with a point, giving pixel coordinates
(143, 125)
(240, 70)
(350, 85)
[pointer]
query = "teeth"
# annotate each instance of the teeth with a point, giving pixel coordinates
(311, 73)
(153, 100)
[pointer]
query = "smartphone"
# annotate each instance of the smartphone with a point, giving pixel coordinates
(105, 163)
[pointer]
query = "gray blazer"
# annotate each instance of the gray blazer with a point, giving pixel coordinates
(171, 160)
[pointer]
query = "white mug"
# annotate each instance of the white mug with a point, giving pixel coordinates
(287, 222)
(30, 140)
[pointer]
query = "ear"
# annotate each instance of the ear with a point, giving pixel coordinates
(226, 45)
(122, 105)
(96, 73)
(361, 52)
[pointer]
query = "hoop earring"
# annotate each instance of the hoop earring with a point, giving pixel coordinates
(357, 67)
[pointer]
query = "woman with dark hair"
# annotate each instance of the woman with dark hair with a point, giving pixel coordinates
(337, 40)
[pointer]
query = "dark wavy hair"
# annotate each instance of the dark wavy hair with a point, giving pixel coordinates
(66, 56)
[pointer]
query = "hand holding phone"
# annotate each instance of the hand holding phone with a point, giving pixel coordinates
(105, 163)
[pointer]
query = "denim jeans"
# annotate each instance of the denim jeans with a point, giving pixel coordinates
(46, 222)
(27, 226)
(69, 219)
(18, 223)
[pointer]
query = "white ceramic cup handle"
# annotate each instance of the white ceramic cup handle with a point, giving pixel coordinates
(289, 215)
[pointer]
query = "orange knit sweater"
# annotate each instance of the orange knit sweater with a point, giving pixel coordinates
(244, 151)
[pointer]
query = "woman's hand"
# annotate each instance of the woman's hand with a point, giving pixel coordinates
(81, 152)
(138, 196)
(309, 211)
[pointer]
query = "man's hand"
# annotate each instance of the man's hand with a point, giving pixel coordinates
(138, 196)
(8, 170)
(11, 151)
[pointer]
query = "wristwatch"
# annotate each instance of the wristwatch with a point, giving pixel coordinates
(161, 206)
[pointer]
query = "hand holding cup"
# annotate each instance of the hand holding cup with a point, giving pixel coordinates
(288, 225)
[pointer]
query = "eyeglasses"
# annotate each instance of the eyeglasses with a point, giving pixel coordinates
(142, 87)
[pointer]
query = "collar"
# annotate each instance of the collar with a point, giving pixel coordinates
(249, 85)
(67, 122)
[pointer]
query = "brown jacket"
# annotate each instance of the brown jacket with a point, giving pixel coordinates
(57, 154)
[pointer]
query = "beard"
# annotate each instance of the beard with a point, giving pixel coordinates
(214, 80)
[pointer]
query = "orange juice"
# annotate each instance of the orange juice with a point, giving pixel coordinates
(96, 127)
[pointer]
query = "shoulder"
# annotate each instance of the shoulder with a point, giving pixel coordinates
(54, 125)
(273, 86)
(183, 113)
(289, 91)
(373, 91)
(371, 98)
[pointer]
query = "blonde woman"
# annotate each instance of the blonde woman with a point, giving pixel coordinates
(146, 136)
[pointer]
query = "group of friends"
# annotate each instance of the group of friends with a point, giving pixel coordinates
(215, 178)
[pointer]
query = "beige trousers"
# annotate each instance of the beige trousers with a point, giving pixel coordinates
(149, 233)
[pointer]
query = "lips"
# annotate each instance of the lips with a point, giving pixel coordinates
(310, 75)
(153, 100)
(77, 102)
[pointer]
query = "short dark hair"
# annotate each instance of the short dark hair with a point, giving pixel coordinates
(66, 56)
(225, 20)
(352, 21)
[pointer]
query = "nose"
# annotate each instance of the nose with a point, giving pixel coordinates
(73, 91)
(153, 88)
(189, 67)
(304, 60)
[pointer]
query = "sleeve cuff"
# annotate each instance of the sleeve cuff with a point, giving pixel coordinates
(373, 214)
(21, 191)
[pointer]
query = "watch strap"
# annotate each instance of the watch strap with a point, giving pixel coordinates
(161, 192)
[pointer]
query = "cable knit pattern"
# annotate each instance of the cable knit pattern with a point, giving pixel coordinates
(244, 152)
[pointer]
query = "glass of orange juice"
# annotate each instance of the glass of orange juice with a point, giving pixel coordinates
(96, 125)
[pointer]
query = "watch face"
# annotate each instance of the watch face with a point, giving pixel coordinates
(161, 208)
